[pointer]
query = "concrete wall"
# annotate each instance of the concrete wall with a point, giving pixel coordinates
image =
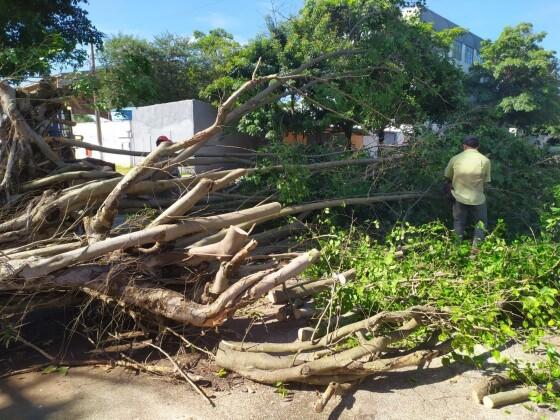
(176, 120)
(116, 134)
(204, 116)
(179, 121)
(172, 119)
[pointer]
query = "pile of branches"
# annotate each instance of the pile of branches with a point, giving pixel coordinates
(382, 347)
(201, 259)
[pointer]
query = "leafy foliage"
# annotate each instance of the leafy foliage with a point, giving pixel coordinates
(509, 291)
(398, 70)
(518, 79)
(137, 72)
(295, 183)
(282, 390)
(63, 370)
(37, 33)
(523, 177)
(551, 218)
(394, 70)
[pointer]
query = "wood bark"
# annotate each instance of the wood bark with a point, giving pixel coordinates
(163, 233)
(508, 397)
(9, 106)
(279, 296)
(347, 365)
(157, 270)
(489, 385)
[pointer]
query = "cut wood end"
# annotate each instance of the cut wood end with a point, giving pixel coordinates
(273, 296)
(305, 334)
(476, 397)
(487, 401)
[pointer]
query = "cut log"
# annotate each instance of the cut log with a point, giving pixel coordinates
(350, 364)
(508, 397)
(514, 396)
(306, 311)
(421, 313)
(305, 333)
(489, 385)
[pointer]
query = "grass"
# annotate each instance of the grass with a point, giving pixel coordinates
(123, 169)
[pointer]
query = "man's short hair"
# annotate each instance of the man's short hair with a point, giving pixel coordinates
(471, 141)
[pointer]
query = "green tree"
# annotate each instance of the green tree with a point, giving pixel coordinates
(35, 34)
(137, 72)
(126, 76)
(396, 71)
(518, 79)
(402, 74)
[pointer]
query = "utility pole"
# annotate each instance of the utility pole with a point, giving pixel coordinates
(97, 116)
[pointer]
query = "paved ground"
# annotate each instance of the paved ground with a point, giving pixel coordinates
(95, 393)
(438, 392)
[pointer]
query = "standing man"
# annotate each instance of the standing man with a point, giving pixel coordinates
(468, 172)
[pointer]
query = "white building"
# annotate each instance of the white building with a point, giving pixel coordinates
(176, 120)
(116, 135)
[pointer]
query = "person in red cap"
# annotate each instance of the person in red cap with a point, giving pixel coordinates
(166, 173)
(162, 139)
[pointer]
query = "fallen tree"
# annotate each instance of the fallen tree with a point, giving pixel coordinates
(58, 233)
(195, 259)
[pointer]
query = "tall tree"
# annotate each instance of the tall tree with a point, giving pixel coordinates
(35, 34)
(126, 75)
(137, 72)
(402, 73)
(518, 79)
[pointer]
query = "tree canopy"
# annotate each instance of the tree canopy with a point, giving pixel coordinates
(35, 34)
(518, 79)
(137, 72)
(395, 70)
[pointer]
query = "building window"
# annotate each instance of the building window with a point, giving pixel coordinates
(457, 51)
(477, 58)
(469, 55)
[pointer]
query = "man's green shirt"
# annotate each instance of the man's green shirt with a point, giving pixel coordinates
(469, 171)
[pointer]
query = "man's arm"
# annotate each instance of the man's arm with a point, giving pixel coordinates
(448, 173)
(488, 176)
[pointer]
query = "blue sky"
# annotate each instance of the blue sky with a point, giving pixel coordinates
(245, 18)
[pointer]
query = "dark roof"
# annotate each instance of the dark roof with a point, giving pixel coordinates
(440, 23)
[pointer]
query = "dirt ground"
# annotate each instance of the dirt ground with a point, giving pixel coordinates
(437, 392)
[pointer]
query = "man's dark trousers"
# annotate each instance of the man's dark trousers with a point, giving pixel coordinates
(478, 214)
